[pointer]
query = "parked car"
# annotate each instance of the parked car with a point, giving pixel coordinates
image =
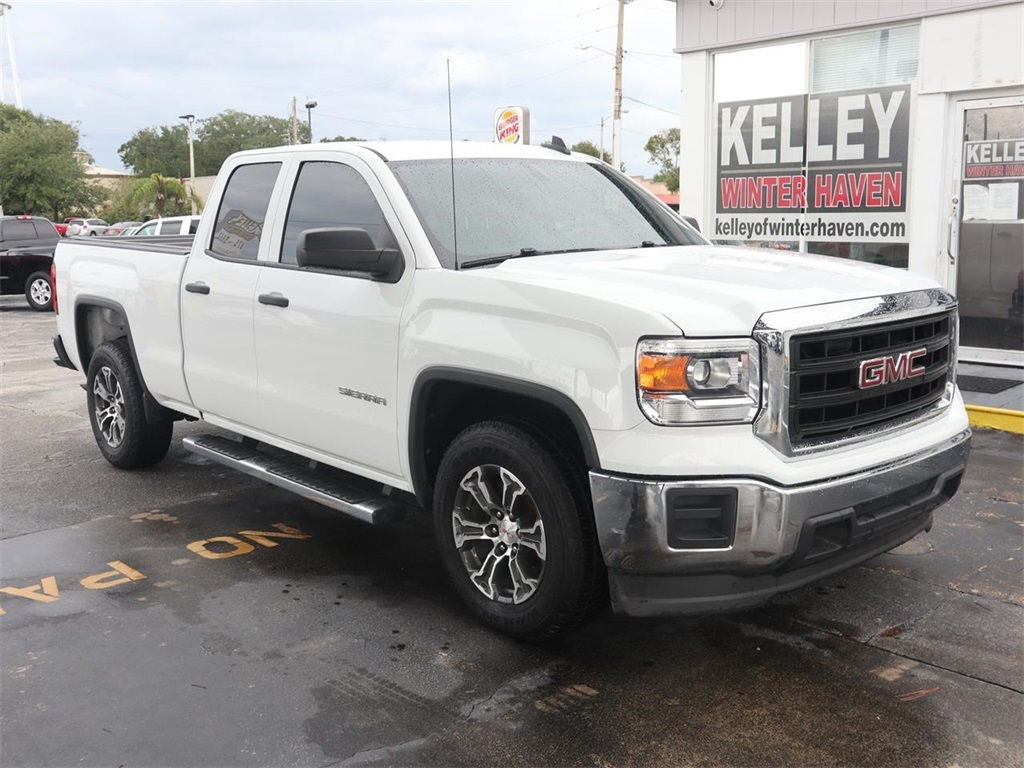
(86, 227)
(171, 225)
(121, 226)
(26, 253)
(128, 232)
(62, 228)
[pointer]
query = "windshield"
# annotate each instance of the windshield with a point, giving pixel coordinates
(517, 207)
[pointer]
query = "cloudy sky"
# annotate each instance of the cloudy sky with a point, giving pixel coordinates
(375, 67)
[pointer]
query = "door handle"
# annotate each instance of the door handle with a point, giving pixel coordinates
(202, 288)
(949, 239)
(954, 213)
(273, 299)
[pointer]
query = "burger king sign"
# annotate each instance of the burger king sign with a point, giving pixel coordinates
(512, 125)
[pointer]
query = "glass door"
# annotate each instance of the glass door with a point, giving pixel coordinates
(986, 230)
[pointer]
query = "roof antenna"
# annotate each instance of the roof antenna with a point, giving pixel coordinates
(451, 148)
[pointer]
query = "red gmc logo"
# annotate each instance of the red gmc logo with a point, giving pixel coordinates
(887, 370)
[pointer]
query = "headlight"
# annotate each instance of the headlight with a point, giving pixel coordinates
(698, 382)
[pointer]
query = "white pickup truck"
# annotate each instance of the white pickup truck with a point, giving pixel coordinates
(583, 397)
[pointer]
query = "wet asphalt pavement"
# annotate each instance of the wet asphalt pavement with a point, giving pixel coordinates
(190, 616)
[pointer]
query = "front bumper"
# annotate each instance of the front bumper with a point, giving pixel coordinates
(779, 538)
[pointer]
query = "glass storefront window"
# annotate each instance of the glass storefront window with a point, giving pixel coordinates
(990, 270)
(819, 165)
(878, 57)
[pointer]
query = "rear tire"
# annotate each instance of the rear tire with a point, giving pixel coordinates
(39, 292)
(515, 531)
(114, 396)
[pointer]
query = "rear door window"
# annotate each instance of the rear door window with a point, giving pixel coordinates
(243, 211)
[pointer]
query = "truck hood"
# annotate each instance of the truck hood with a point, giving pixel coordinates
(710, 290)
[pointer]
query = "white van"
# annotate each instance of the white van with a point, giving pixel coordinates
(172, 225)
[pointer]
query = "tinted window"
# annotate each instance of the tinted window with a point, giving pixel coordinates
(45, 230)
(193, 226)
(506, 207)
(243, 210)
(330, 195)
(18, 230)
(171, 228)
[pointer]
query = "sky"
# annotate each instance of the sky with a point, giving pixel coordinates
(376, 68)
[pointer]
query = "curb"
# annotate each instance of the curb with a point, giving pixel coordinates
(996, 418)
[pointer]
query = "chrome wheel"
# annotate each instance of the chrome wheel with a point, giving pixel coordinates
(39, 291)
(499, 534)
(109, 406)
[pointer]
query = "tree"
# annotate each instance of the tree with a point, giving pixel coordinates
(339, 137)
(160, 193)
(589, 148)
(161, 149)
(663, 149)
(39, 173)
(232, 131)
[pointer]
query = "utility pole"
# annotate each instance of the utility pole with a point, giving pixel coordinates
(191, 161)
(295, 120)
(617, 110)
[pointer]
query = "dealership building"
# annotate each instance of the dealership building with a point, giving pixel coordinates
(887, 131)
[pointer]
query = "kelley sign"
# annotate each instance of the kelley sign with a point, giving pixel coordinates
(827, 166)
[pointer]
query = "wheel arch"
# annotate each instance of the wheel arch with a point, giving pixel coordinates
(98, 320)
(446, 400)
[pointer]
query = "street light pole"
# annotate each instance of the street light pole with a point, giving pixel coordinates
(617, 110)
(191, 161)
(309, 118)
(603, 119)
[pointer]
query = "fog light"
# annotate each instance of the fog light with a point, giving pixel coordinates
(699, 518)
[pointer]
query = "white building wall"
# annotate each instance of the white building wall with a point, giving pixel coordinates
(699, 26)
(696, 134)
(973, 50)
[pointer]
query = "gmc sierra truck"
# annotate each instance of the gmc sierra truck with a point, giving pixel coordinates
(584, 398)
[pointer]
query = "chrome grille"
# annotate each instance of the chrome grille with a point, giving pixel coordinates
(812, 398)
(826, 400)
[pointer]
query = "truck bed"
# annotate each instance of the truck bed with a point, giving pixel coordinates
(173, 244)
(140, 279)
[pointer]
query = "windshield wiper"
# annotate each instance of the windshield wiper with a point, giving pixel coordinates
(498, 259)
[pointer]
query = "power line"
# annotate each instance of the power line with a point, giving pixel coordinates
(660, 109)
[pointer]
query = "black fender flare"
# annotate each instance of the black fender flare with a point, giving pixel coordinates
(154, 411)
(429, 377)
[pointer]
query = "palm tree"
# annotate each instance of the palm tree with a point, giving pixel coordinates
(159, 192)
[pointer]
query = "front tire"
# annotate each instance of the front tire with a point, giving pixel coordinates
(114, 396)
(515, 531)
(39, 292)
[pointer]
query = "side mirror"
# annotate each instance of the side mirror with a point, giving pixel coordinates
(349, 249)
(691, 221)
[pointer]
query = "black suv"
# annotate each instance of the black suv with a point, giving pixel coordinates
(26, 253)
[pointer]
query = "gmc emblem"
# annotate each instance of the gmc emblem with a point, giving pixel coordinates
(887, 370)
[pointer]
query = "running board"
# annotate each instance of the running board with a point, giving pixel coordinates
(350, 498)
